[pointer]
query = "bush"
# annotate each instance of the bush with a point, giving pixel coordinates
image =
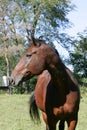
(83, 85)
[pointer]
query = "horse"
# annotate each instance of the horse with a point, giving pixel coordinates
(64, 98)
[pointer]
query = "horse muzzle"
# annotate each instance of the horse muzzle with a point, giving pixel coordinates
(15, 81)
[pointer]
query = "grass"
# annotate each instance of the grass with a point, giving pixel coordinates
(14, 113)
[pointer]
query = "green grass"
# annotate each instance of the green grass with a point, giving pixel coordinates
(14, 113)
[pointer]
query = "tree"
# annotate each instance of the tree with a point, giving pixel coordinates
(79, 56)
(8, 35)
(4, 35)
(44, 19)
(21, 19)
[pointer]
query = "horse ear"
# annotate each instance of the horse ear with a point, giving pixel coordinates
(35, 41)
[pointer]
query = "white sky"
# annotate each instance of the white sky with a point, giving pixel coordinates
(78, 17)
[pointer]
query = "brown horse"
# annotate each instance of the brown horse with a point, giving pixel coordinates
(64, 96)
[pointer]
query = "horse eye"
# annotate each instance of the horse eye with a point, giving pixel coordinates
(28, 55)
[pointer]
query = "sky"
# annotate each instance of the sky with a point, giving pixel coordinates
(78, 17)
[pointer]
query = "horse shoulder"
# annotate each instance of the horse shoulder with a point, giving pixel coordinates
(41, 88)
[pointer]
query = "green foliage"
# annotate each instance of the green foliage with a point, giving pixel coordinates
(19, 89)
(32, 83)
(79, 56)
(2, 66)
(83, 85)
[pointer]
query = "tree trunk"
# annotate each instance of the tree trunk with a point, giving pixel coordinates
(7, 62)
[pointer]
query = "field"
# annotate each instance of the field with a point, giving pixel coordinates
(14, 113)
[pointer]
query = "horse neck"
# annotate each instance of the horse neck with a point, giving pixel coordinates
(59, 74)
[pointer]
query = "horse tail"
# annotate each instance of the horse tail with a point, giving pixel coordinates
(34, 112)
(61, 124)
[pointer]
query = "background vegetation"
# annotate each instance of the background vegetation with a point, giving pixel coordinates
(44, 19)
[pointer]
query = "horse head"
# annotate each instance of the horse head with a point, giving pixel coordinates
(36, 59)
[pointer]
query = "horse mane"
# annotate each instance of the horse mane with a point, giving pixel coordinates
(67, 70)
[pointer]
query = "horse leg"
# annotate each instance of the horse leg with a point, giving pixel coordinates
(45, 120)
(72, 124)
(61, 125)
(50, 125)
